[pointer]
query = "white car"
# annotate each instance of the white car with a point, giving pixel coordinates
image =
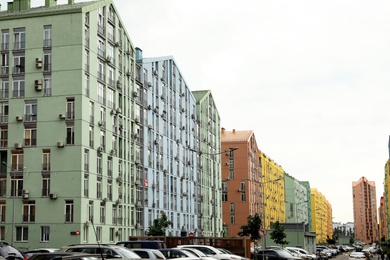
(295, 252)
(357, 256)
(213, 252)
(303, 252)
(198, 253)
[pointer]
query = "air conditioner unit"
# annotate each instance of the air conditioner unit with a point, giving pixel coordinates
(183, 109)
(112, 152)
(53, 196)
(155, 72)
(239, 190)
(128, 73)
(60, 144)
(18, 145)
(108, 59)
(163, 97)
(38, 85)
(25, 195)
(117, 233)
(136, 120)
(101, 123)
(135, 94)
(149, 84)
(154, 185)
(137, 162)
(119, 179)
(185, 193)
(100, 149)
(137, 183)
(227, 178)
(117, 44)
(19, 118)
(138, 205)
(61, 116)
(227, 164)
(128, 52)
(150, 126)
(88, 223)
(38, 63)
(113, 112)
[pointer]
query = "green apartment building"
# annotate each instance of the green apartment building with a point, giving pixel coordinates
(67, 99)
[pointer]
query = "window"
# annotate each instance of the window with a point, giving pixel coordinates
(99, 234)
(86, 85)
(110, 98)
(19, 64)
(4, 89)
(70, 135)
(111, 76)
(30, 137)
(101, 49)
(29, 211)
(232, 213)
(18, 88)
(4, 112)
(46, 161)
(69, 211)
(3, 187)
(5, 40)
(99, 165)
(45, 233)
(101, 71)
(112, 236)
(110, 32)
(21, 234)
(86, 160)
(102, 214)
(2, 211)
(90, 211)
(19, 39)
(91, 136)
(224, 191)
(47, 36)
(31, 111)
(100, 93)
(102, 139)
(86, 186)
(109, 191)
(47, 62)
(47, 86)
(16, 186)
(70, 108)
(91, 112)
(17, 162)
(99, 189)
(45, 186)
(4, 63)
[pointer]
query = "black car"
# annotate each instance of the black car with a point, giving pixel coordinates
(275, 254)
(9, 252)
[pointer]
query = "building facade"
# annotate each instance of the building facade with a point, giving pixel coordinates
(209, 183)
(365, 210)
(297, 201)
(170, 150)
(319, 215)
(241, 182)
(68, 169)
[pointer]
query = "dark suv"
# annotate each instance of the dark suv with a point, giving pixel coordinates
(151, 244)
(9, 252)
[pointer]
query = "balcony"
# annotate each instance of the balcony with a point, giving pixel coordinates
(30, 118)
(4, 70)
(19, 45)
(101, 30)
(47, 43)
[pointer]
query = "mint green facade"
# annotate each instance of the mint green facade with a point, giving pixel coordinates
(210, 175)
(67, 117)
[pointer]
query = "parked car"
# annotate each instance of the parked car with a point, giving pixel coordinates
(213, 252)
(296, 253)
(28, 253)
(148, 253)
(198, 253)
(275, 254)
(9, 252)
(109, 251)
(171, 253)
(57, 255)
(152, 244)
(357, 256)
(304, 252)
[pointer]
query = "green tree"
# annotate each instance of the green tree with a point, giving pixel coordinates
(351, 241)
(331, 241)
(159, 226)
(278, 235)
(252, 228)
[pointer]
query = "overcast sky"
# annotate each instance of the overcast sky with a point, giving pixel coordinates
(310, 78)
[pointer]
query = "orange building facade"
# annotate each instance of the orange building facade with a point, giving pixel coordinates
(241, 182)
(365, 211)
